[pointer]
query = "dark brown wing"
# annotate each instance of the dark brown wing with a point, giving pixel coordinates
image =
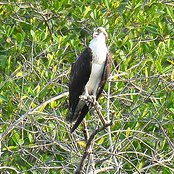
(80, 118)
(79, 76)
(104, 78)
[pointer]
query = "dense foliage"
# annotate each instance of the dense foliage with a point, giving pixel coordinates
(39, 40)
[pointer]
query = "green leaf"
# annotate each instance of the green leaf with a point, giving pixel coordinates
(3, 99)
(30, 137)
(3, 61)
(158, 66)
(87, 9)
(18, 74)
(16, 138)
(172, 110)
(172, 75)
(107, 3)
(33, 34)
(152, 29)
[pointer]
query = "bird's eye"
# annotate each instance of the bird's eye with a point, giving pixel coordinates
(99, 30)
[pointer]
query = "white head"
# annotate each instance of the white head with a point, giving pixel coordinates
(98, 44)
(100, 33)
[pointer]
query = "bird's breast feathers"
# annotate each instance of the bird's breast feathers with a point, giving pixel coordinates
(95, 78)
(99, 52)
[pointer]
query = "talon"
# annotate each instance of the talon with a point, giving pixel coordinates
(89, 98)
(93, 97)
(83, 97)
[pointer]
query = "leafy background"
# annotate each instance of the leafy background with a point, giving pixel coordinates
(38, 42)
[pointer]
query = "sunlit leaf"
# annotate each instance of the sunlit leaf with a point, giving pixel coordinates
(158, 66)
(172, 62)
(128, 131)
(172, 110)
(81, 143)
(8, 40)
(87, 9)
(18, 74)
(172, 75)
(53, 104)
(100, 141)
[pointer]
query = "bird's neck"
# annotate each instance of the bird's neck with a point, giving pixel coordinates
(98, 40)
(98, 43)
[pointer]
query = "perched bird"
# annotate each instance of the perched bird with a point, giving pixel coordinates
(88, 76)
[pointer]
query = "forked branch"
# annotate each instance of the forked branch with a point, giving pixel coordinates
(88, 150)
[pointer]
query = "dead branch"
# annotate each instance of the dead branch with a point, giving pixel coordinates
(88, 150)
(30, 112)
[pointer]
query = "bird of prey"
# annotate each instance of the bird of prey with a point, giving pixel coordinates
(88, 76)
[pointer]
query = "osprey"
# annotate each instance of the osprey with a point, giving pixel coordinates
(88, 76)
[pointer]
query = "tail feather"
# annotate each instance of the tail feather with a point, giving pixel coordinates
(80, 118)
(69, 116)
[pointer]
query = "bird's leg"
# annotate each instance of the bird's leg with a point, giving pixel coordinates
(86, 93)
(92, 99)
(85, 97)
(91, 102)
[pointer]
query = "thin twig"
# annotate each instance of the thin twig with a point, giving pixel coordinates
(29, 112)
(8, 168)
(86, 152)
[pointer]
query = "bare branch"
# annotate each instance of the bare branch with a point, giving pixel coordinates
(30, 112)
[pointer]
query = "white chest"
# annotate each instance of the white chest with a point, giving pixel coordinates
(95, 78)
(99, 51)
